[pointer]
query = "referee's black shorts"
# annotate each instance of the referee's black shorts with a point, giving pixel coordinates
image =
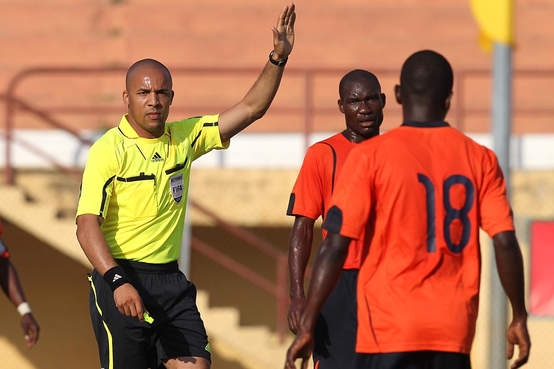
(177, 331)
(335, 328)
(414, 360)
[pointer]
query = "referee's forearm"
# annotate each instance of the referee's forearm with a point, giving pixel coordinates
(93, 243)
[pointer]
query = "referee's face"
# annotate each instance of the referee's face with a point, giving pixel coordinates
(148, 97)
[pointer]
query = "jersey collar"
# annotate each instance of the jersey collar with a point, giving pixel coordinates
(439, 123)
(129, 132)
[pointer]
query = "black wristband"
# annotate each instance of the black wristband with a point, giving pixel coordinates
(278, 63)
(115, 277)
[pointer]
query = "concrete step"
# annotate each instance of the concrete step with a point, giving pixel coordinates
(40, 220)
(253, 346)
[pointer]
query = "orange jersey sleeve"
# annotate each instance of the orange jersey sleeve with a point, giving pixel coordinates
(315, 184)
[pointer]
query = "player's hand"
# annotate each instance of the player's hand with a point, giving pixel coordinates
(283, 33)
(518, 335)
(30, 329)
(301, 348)
(295, 312)
(128, 301)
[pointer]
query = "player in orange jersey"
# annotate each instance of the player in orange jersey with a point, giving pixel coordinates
(362, 102)
(425, 190)
(13, 289)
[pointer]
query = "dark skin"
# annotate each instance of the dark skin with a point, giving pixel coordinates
(326, 271)
(13, 289)
(333, 250)
(362, 103)
(300, 246)
(509, 265)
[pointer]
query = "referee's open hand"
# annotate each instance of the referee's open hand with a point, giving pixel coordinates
(128, 301)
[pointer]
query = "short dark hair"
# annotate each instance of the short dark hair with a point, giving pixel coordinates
(427, 75)
(355, 75)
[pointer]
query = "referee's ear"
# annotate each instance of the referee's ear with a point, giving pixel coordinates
(171, 97)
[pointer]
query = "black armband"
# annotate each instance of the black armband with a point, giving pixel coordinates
(116, 276)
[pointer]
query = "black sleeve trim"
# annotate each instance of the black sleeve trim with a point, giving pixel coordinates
(333, 220)
(292, 198)
(104, 194)
(196, 139)
(207, 124)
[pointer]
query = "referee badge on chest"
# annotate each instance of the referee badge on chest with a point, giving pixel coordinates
(176, 185)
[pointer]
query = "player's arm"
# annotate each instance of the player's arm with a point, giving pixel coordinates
(326, 271)
(94, 245)
(13, 289)
(257, 100)
(92, 242)
(509, 264)
(300, 247)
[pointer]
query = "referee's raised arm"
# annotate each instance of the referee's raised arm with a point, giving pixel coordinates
(258, 99)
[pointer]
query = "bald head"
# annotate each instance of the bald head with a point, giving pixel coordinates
(357, 75)
(146, 64)
(148, 96)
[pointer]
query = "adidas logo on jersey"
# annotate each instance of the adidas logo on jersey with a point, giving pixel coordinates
(157, 157)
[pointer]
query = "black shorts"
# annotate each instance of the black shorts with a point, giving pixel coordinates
(177, 329)
(414, 360)
(335, 329)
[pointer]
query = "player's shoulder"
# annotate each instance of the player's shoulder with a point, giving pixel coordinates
(109, 145)
(328, 144)
(321, 150)
(190, 122)
(329, 140)
(193, 126)
(475, 146)
(110, 138)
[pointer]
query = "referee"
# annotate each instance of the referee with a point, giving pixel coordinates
(131, 213)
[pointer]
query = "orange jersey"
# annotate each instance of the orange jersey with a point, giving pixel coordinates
(426, 192)
(314, 186)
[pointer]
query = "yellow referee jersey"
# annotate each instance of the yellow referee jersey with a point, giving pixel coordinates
(140, 186)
